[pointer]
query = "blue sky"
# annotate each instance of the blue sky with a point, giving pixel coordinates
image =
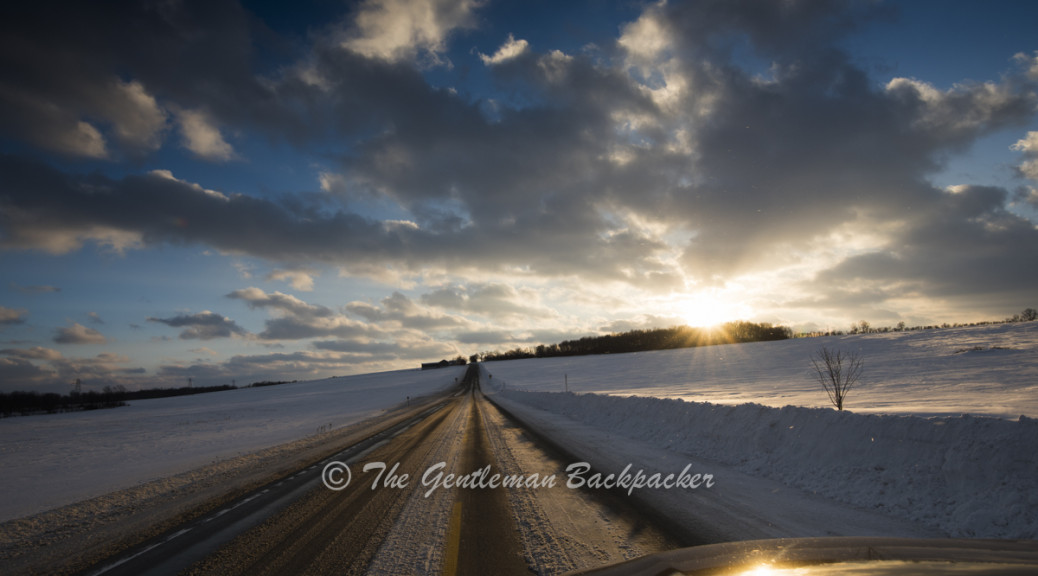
(234, 192)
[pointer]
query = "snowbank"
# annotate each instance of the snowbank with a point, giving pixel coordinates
(905, 449)
(967, 476)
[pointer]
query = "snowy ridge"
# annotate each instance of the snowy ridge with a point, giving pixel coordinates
(967, 476)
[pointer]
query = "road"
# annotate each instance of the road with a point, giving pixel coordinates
(402, 511)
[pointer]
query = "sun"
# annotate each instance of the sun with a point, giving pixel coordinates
(709, 308)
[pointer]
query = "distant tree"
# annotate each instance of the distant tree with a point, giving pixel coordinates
(1029, 315)
(901, 326)
(837, 373)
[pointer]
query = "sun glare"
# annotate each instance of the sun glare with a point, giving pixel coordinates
(709, 309)
(759, 570)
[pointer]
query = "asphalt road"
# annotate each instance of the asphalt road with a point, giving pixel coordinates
(297, 525)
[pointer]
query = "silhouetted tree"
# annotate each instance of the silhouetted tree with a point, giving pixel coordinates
(837, 372)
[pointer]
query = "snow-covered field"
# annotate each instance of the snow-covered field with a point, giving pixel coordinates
(932, 372)
(964, 475)
(48, 461)
(902, 448)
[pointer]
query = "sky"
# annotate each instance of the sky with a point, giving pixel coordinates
(229, 192)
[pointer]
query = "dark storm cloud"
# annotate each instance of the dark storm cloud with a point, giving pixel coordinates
(202, 326)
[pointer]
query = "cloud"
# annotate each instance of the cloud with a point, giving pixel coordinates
(969, 245)
(138, 120)
(1029, 146)
(384, 351)
(397, 30)
(205, 350)
(21, 374)
(19, 370)
(43, 289)
(34, 353)
(298, 320)
(79, 334)
(284, 303)
(95, 318)
(78, 110)
(512, 48)
(713, 143)
(302, 280)
(1029, 62)
(104, 369)
(202, 138)
(9, 316)
(204, 325)
(493, 300)
(406, 313)
(325, 360)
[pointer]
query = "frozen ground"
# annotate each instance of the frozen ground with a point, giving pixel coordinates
(962, 475)
(53, 460)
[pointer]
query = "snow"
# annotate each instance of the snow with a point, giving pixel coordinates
(965, 473)
(53, 460)
(932, 372)
(902, 459)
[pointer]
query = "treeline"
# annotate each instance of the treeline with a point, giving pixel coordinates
(26, 403)
(865, 327)
(643, 340)
(271, 383)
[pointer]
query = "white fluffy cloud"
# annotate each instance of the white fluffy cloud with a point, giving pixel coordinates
(302, 280)
(395, 30)
(202, 137)
(1029, 146)
(512, 48)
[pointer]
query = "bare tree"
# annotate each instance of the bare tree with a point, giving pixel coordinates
(837, 372)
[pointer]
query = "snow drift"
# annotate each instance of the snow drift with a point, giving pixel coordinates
(966, 476)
